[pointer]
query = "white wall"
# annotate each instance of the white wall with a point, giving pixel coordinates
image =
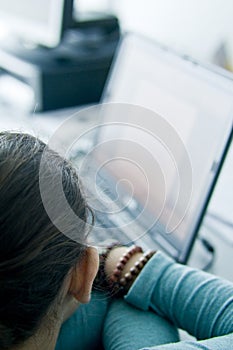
(196, 27)
(91, 5)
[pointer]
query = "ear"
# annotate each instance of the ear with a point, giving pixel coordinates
(83, 275)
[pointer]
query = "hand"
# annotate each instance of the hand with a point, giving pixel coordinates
(119, 267)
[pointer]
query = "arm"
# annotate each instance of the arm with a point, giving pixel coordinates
(128, 328)
(198, 302)
(220, 343)
(83, 329)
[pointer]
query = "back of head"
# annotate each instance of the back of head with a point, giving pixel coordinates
(34, 256)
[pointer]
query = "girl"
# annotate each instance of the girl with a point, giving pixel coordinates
(46, 279)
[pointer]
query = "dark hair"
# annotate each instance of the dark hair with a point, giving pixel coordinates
(34, 256)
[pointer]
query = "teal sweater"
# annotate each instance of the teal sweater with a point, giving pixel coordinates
(165, 296)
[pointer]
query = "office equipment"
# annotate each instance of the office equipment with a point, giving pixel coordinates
(66, 76)
(70, 62)
(196, 101)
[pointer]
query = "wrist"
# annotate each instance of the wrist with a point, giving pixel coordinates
(119, 267)
(131, 275)
(123, 265)
(114, 257)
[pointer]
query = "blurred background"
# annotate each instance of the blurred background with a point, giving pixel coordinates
(55, 57)
(81, 33)
(200, 28)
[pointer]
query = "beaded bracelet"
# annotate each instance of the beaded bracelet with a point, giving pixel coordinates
(122, 262)
(116, 283)
(121, 286)
(135, 270)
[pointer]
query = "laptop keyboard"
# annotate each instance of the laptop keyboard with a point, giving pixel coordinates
(113, 227)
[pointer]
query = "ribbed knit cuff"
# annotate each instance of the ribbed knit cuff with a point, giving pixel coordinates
(141, 291)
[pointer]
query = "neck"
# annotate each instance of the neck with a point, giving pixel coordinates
(43, 340)
(46, 336)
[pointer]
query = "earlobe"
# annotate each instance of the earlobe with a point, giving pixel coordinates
(83, 275)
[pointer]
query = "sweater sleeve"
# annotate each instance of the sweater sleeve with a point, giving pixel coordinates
(219, 343)
(193, 300)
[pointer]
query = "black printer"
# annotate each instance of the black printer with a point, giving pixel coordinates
(70, 74)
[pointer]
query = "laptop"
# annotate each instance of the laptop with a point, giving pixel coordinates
(151, 163)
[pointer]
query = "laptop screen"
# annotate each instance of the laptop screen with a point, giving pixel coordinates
(168, 122)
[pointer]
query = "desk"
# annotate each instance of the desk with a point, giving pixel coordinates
(216, 232)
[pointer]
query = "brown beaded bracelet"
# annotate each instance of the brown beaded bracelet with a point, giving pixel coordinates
(116, 284)
(122, 262)
(122, 285)
(135, 270)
